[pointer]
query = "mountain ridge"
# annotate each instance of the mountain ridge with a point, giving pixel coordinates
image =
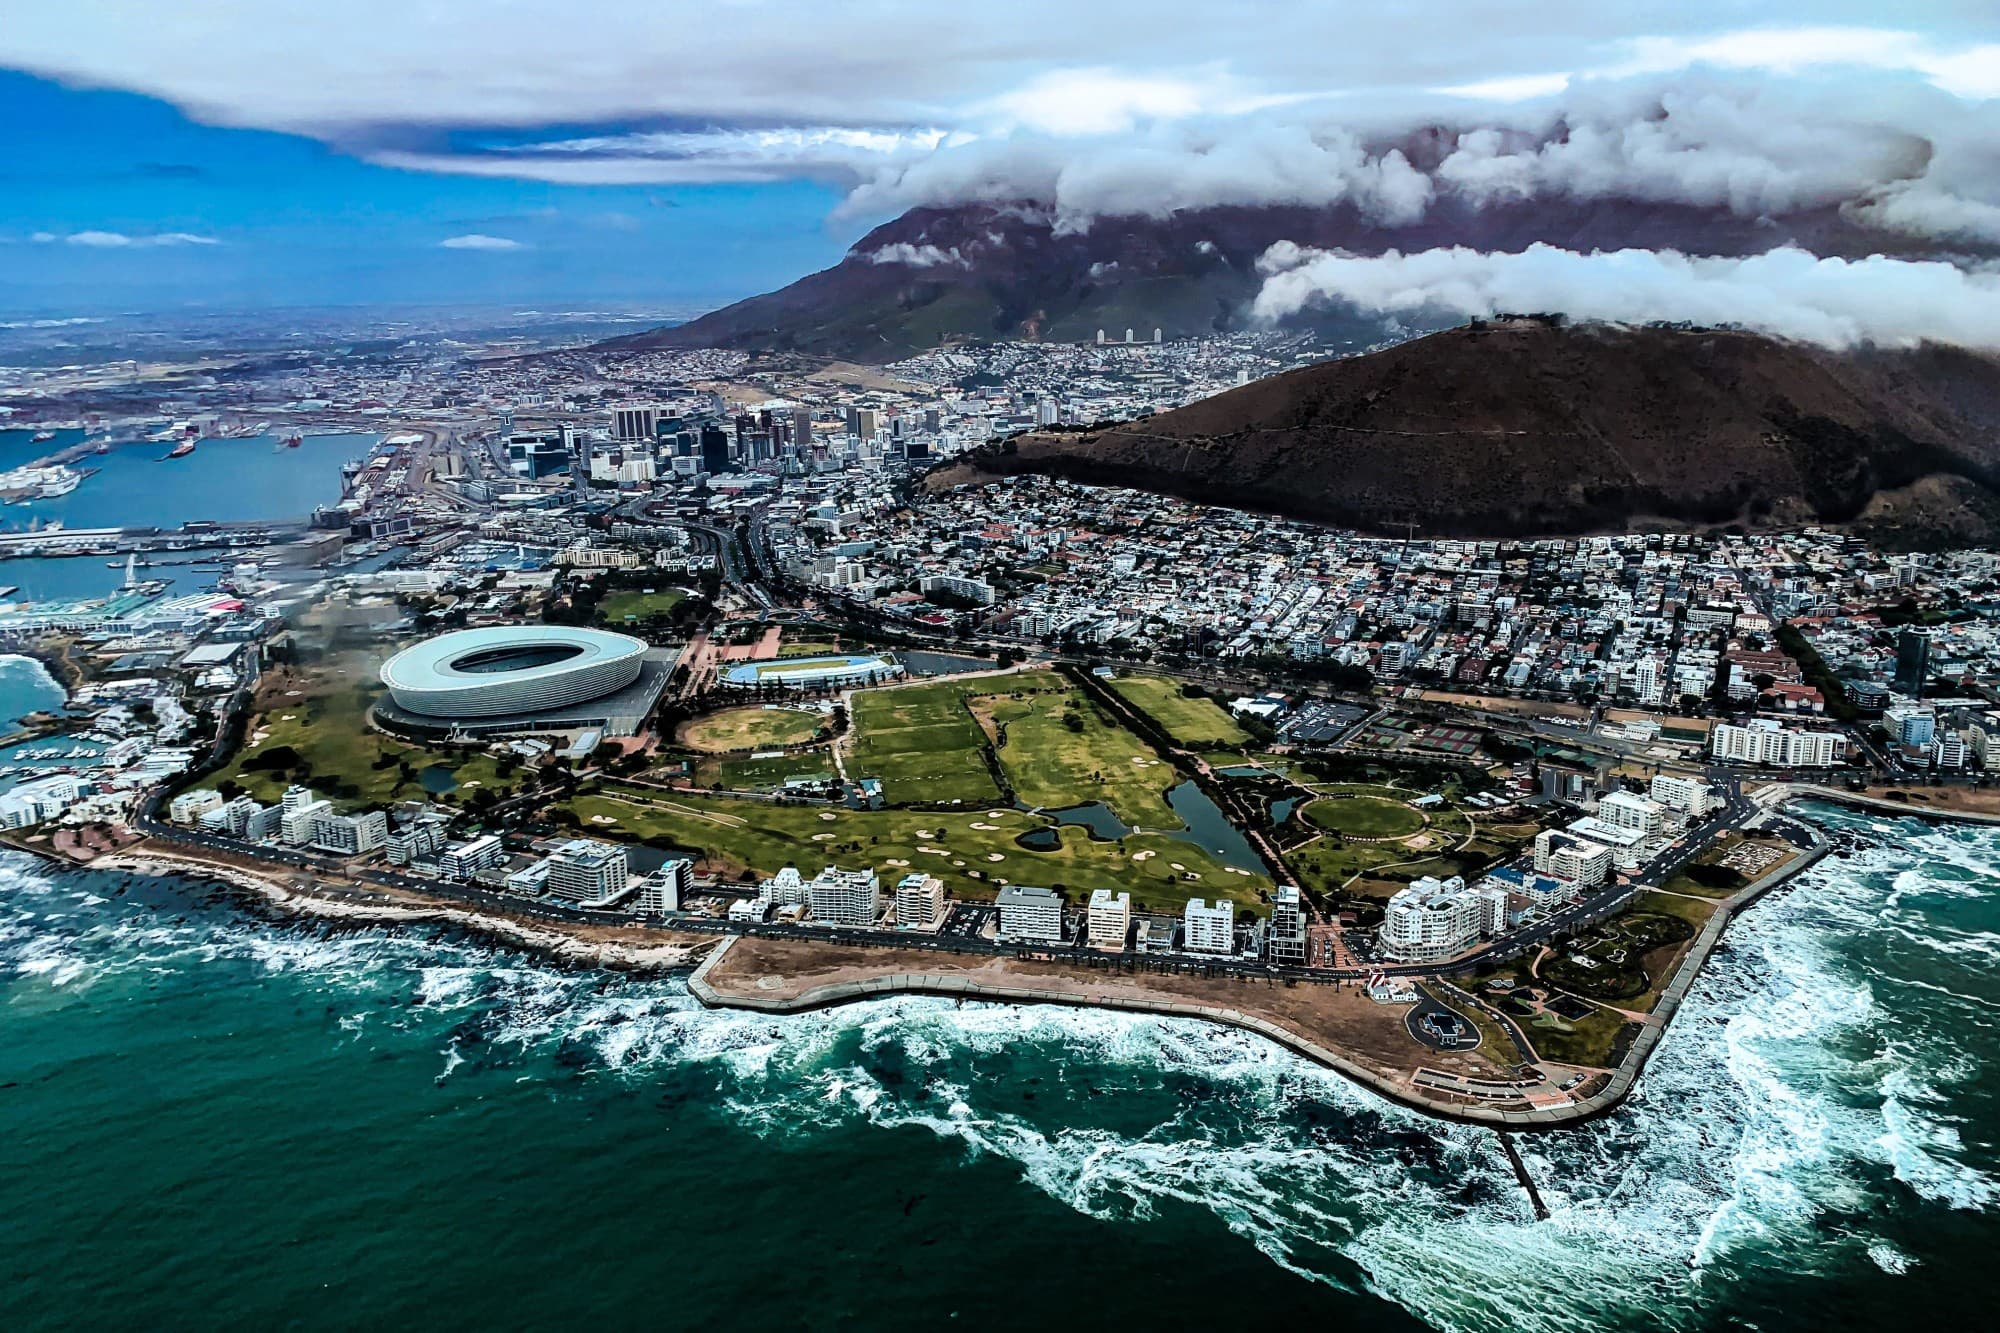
(1533, 427)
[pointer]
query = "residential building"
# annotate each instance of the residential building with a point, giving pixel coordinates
(1637, 814)
(1285, 936)
(1109, 922)
(1206, 929)
(1029, 915)
(1432, 919)
(584, 870)
(1764, 741)
(837, 897)
(348, 835)
(192, 805)
(1691, 796)
(661, 892)
(919, 901)
(466, 859)
(1567, 857)
(296, 822)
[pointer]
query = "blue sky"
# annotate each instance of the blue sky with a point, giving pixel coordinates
(239, 153)
(295, 222)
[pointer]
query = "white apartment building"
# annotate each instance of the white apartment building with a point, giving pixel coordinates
(192, 805)
(348, 835)
(1633, 813)
(787, 888)
(1566, 857)
(1434, 919)
(836, 897)
(661, 892)
(1285, 937)
(467, 859)
(295, 825)
(1691, 796)
(919, 901)
(1763, 741)
(584, 870)
(1029, 915)
(1110, 919)
(1206, 929)
(44, 798)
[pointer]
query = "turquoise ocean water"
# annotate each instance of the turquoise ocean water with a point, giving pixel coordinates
(208, 1119)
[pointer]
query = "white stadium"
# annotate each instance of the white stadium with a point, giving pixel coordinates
(511, 669)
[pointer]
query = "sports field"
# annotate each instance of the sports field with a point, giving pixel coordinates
(922, 742)
(973, 851)
(1356, 815)
(633, 604)
(1198, 723)
(750, 729)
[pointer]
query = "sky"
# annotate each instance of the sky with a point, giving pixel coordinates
(240, 153)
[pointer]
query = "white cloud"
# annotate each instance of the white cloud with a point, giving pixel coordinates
(480, 241)
(916, 256)
(1787, 292)
(118, 240)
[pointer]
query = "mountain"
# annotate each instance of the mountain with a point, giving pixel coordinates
(1528, 426)
(937, 276)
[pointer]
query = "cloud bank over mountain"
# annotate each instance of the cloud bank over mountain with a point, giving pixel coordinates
(1835, 303)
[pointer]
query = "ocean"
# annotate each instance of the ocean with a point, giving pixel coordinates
(211, 1119)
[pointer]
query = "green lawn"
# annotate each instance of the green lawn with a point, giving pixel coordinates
(1590, 1040)
(751, 728)
(763, 774)
(1195, 723)
(350, 764)
(635, 604)
(1364, 816)
(1054, 763)
(735, 835)
(808, 648)
(923, 744)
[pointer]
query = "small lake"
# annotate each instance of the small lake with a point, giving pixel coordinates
(1208, 827)
(439, 779)
(1041, 840)
(1097, 817)
(1281, 809)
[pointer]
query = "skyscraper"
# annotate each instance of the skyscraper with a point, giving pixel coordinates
(1913, 662)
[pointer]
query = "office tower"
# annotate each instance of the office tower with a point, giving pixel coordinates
(1913, 662)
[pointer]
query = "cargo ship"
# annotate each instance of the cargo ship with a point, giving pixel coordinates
(181, 450)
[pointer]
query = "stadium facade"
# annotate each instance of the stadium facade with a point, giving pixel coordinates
(812, 673)
(513, 678)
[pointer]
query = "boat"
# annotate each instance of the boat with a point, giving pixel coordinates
(181, 450)
(291, 441)
(42, 436)
(103, 447)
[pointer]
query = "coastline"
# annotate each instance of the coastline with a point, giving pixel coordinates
(608, 947)
(654, 949)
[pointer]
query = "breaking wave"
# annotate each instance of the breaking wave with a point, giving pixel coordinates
(1810, 1076)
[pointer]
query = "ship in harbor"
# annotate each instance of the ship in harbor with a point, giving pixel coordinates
(181, 450)
(292, 441)
(24, 484)
(42, 436)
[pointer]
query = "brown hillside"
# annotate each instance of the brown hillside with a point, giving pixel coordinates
(1524, 427)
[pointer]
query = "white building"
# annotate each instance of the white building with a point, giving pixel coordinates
(295, 824)
(1285, 937)
(1634, 813)
(836, 897)
(1691, 796)
(1432, 919)
(1206, 929)
(467, 859)
(919, 901)
(1110, 919)
(661, 892)
(1567, 857)
(43, 799)
(192, 805)
(1028, 915)
(584, 870)
(1763, 741)
(348, 835)
(787, 888)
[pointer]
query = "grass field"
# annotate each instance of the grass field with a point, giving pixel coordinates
(1591, 1040)
(634, 604)
(922, 743)
(808, 648)
(1054, 763)
(1325, 865)
(959, 847)
(325, 723)
(1195, 723)
(751, 728)
(1361, 816)
(744, 774)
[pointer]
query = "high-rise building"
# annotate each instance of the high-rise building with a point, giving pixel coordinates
(714, 450)
(1572, 859)
(1206, 929)
(1913, 662)
(584, 870)
(661, 892)
(1690, 795)
(1285, 938)
(469, 858)
(1110, 919)
(919, 901)
(1631, 812)
(348, 835)
(802, 427)
(634, 423)
(1029, 915)
(837, 897)
(1763, 741)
